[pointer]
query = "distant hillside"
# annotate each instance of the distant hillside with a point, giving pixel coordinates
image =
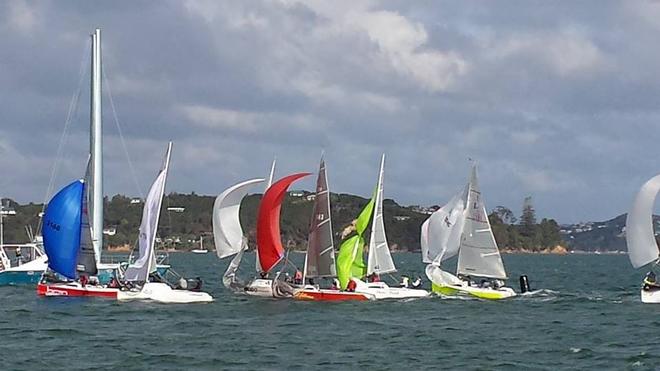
(186, 217)
(597, 236)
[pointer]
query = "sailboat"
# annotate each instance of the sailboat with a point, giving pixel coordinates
(640, 238)
(68, 243)
(461, 227)
(320, 257)
(200, 249)
(350, 263)
(143, 284)
(269, 244)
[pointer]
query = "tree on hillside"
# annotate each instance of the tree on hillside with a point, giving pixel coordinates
(528, 219)
(505, 215)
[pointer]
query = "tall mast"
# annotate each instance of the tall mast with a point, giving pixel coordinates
(96, 147)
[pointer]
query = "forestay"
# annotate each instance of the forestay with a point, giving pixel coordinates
(380, 259)
(146, 263)
(640, 236)
(478, 254)
(320, 258)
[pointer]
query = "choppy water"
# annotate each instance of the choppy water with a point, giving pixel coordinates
(589, 316)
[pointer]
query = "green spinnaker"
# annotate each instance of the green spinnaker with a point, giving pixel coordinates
(350, 259)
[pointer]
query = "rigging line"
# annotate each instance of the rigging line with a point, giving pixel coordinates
(73, 105)
(121, 134)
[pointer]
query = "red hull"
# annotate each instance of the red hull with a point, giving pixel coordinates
(69, 290)
(329, 295)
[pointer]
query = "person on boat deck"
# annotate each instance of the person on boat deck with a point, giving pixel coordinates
(374, 277)
(497, 284)
(311, 281)
(351, 286)
(263, 275)
(93, 280)
(287, 277)
(335, 284)
(183, 284)
(83, 280)
(297, 277)
(650, 281)
(484, 284)
(114, 283)
(404, 281)
(417, 283)
(19, 256)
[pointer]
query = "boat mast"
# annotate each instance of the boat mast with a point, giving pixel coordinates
(96, 147)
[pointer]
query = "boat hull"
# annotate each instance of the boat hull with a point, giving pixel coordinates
(163, 293)
(331, 295)
(74, 289)
(19, 277)
(479, 292)
(268, 288)
(380, 290)
(650, 296)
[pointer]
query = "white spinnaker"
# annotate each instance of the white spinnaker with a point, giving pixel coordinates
(146, 263)
(640, 236)
(380, 259)
(478, 254)
(444, 230)
(227, 230)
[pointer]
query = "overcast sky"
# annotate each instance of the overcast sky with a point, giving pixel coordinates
(557, 100)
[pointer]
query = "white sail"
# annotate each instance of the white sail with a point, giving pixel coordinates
(380, 259)
(640, 236)
(146, 263)
(229, 278)
(227, 230)
(478, 254)
(444, 230)
(424, 241)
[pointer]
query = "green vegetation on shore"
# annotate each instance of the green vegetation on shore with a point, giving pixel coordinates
(186, 217)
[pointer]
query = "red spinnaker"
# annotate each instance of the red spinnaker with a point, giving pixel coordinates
(269, 242)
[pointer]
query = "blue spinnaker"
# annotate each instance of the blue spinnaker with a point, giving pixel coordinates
(61, 229)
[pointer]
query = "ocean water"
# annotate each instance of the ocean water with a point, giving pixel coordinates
(586, 316)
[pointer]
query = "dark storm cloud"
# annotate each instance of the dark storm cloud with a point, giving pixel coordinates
(557, 100)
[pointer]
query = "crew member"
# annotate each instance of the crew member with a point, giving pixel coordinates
(351, 286)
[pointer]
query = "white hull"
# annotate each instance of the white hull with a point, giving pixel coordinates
(268, 288)
(260, 287)
(650, 296)
(200, 251)
(163, 293)
(380, 290)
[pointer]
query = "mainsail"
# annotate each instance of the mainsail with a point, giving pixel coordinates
(227, 230)
(269, 244)
(146, 263)
(87, 257)
(320, 258)
(61, 229)
(380, 259)
(478, 254)
(640, 236)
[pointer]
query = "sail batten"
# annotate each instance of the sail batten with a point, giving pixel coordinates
(640, 235)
